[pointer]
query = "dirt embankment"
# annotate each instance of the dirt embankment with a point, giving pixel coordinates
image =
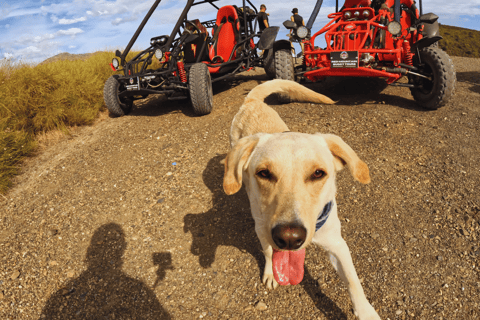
(127, 219)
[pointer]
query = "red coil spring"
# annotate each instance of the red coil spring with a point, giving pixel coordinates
(181, 71)
(407, 54)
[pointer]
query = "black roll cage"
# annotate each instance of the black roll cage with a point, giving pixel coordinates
(176, 29)
(396, 1)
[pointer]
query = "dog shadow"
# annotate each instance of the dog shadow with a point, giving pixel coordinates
(229, 223)
(103, 291)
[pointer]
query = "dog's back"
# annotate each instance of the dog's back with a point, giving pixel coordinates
(255, 116)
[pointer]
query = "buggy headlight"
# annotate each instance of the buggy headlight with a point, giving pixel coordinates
(158, 54)
(347, 15)
(302, 32)
(395, 28)
(115, 63)
(366, 13)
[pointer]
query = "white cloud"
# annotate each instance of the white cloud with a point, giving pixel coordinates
(70, 32)
(47, 36)
(118, 21)
(8, 55)
(71, 21)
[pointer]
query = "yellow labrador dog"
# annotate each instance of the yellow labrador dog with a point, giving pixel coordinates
(290, 181)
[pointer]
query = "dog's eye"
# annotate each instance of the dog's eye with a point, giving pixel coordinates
(318, 174)
(265, 174)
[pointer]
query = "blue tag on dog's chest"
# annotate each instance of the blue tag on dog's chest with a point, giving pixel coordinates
(322, 218)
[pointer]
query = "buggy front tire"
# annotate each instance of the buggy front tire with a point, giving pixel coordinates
(116, 106)
(200, 88)
(436, 91)
(284, 65)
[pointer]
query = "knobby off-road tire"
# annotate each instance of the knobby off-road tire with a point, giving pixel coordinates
(284, 65)
(436, 92)
(269, 63)
(200, 87)
(117, 107)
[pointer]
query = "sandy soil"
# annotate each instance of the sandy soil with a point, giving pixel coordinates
(127, 219)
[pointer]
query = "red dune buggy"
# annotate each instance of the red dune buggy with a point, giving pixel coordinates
(388, 39)
(186, 62)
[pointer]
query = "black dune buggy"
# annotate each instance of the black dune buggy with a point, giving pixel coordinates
(386, 39)
(186, 62)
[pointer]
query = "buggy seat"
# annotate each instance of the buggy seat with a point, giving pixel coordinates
(225, 35)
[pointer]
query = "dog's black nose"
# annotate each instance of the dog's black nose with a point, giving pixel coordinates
(289, 236)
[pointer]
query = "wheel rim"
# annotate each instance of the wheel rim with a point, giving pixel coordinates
(426, 85)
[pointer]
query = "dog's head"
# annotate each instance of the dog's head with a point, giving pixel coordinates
(289, 178)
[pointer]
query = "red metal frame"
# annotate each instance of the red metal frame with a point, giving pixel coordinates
(359, 35)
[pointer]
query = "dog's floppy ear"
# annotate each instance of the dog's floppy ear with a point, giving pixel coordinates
(237, 161)
(343, 154)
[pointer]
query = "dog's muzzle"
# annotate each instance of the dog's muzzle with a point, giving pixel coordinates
(289, 236)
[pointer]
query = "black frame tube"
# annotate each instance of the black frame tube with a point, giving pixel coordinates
(421, 7)
(396, 11)
(137, 33)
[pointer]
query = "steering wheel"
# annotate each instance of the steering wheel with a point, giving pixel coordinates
(185, 27)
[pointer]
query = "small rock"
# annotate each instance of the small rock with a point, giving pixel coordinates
(160, 200)
(375, 235)
(70, 274)
(439, 258)
(53, 263)
(398, 312)
(261, 306)
(1, 295)
(52, 232)
(15, 275)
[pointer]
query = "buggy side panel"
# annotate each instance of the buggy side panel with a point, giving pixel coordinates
(268, 38)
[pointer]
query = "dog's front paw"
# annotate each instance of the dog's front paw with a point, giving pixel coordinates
(367, 312)
(269, 281)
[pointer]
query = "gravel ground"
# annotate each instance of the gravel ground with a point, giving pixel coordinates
(127, 219)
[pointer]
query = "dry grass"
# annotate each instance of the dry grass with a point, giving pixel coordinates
(460, 42)
(48, 97)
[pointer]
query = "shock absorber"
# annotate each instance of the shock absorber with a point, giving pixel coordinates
(407, 54)
(181, 71)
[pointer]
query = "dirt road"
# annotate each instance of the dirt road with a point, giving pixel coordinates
(127, 219)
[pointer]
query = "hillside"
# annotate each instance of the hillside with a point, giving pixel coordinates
(460, 42)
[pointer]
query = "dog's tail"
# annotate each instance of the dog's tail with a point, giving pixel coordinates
(291, 89)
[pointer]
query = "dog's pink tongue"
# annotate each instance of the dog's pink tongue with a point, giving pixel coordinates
(288, 266)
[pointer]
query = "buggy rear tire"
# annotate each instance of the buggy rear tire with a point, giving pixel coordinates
(116, 106)
(269, 63)
(200, 88)
(435, 92)
(284, 65)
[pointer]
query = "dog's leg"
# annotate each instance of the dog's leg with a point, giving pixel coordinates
(268, 278)
(331, 240)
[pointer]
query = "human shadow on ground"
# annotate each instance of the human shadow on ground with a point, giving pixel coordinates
(229, 223)
(103, 291)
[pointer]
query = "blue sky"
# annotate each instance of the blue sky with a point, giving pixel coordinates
(33, 30)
